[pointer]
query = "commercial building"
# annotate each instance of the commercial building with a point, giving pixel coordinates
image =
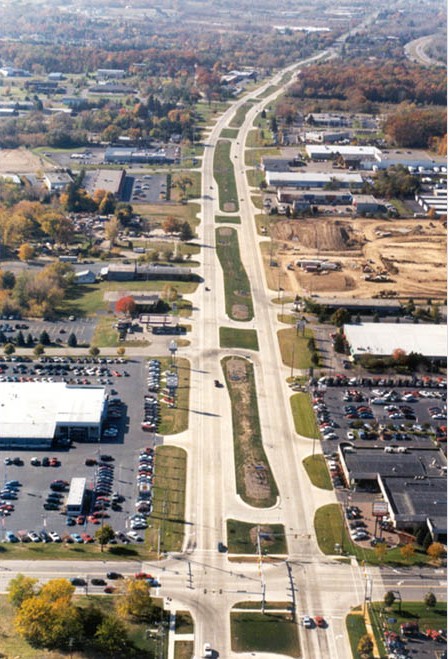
(357, 305)
(329, 152)
(309, 180)
(85, 277)
(110, 180)
(121, 155)
(436, 200)
(42, 414)
(382, 339)
(366, 203)
(57, 181)
(318, 197)
(110, 74)
(134, 271)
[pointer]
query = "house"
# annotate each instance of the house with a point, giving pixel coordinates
(57, 181)
(85, 277)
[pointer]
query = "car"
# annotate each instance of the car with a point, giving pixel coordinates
(320, 621)
(134, 536)
(97, 581)
(11, 537)
(114, 575)
(35, 462)
(107, 458)
(78, 581)
(33, 536)
(70, 521)
(45, 462)
(51, 505)
(110, 589)
(222, 548)
(207, 650)
(7, 461)
(142, 575)
(90, 462)
(18, 462)
(350, 435)
(80, 520)
(76, 538)
(55, 536)
(307, 622)
(86, 538)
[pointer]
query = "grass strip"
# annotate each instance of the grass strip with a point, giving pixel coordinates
(166, 531)
(175, 419)
(236, 282)
(254, 480)
(229, 133)
(242, 538)
(303, 415)
(269, 632)
(294, 347)
(316, 468)
(183, 649)
(225, 177)
(230, 337)
(356, 629)
(229, 219)
(238, 118)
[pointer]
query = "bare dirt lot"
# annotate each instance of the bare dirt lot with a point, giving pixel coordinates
(409, 255)
(21, 161)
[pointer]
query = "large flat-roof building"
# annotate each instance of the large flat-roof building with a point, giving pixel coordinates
(40, 414)
(314, 180)
(382, 339)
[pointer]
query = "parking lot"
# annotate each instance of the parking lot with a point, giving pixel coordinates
(149, 188)
(120, 449)
(392, 411)
(82, 328)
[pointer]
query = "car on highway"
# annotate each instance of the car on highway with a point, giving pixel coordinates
(96, 581)
(78, 581)
(320, 621)
(114, 575)
(307, 622)
(142, 575)
(208, 652)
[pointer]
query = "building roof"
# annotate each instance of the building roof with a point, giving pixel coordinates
(369, 463)
(35, 409)
(342, 149)
(58, 177)
(308, 178)
(416, 500)
(359, 303)
(383, 338)
(109, 180)
(76, 493)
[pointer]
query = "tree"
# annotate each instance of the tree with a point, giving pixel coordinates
(104, 535)
(112, 229)
(72, 341)
(8, 280)
(39, 350)
(121, 351)
(407, 551)
(94, 351)
(135, 600)
(9, 349)
(381, 551)
(389, 598)
(26, 252)
(20, 340)
(365, 647)
(29, 340)
(111, 637)
(171, 225)
(183, 183)
(186, 232)
(430, 600)
(435, 550)
(340, 317)
(339, 343)
(44, 338)
(21, 588)
(126, 305)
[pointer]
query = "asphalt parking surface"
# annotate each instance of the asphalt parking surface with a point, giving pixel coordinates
(149, 188)
(29, 513)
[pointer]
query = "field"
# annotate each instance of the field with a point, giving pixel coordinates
(271, 632)
(409, 253)
(242, 538)
(18, 161)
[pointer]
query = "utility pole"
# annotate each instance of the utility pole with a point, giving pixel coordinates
(260, 567)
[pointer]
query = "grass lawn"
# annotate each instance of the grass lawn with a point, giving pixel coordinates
(193, 191)
(168, 500)
(175, 419)
(294, 347)
(356, 628)
(156, 214)
(271, 632)
(330, 529)
(259, 137)
(183, 649)
(230, 219)
(207, 113)
(247, 441)
(253, 157)
(236, 282)
(269, 606)
(229, 133)
(105, 335)
(317, 471)
(257, 201)
(242, 538)
(303, 415)
(238, 338)
(184, 623)
(240, 115)
(269, 90)
(254, 177)
(225, 177)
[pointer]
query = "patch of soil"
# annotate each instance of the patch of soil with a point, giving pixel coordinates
(334, 281)
(240, 312)
(224, 231)
(229, 207)
(328, 236)
(266, 536)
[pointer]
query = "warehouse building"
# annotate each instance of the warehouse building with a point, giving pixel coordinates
(307, 180)
(380, 339)
(45, 414)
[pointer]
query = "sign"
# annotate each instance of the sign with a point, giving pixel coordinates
(380, 509)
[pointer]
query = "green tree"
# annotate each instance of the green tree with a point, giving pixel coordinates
(20, 340)
(340, 317)
(339, 343)
(44, 338)
(94, 351)
(8, 280)
(21, 588)
(72, 341)
(430, 600)
(9, 349)
(104, 534)
(29, 340)
(389, 598)
(186, 232)
(111, 637)
(38, 350)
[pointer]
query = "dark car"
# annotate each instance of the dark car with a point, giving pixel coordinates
(114, 575)
(222, 548)
(97, 582)
(78, 581)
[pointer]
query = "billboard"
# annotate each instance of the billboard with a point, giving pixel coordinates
(380, 509)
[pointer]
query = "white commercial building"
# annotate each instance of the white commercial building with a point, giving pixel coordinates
(383, 338)
(39, 414)
(313, 180)
(329, 151)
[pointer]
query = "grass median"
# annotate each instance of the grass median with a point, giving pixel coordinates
(236, 282)
(242, 538)
(224, 174)
(230, 337)
(229, 219)
(175, 419)
(356, 629)
(238, 118)
(255, 482)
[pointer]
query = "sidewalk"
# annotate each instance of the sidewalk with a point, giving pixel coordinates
(173, 637)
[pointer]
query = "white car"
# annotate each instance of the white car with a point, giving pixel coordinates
(134, 536)
(307, 622)
(350, 435)
(33, 536)
(207, 650)
(55, 536)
